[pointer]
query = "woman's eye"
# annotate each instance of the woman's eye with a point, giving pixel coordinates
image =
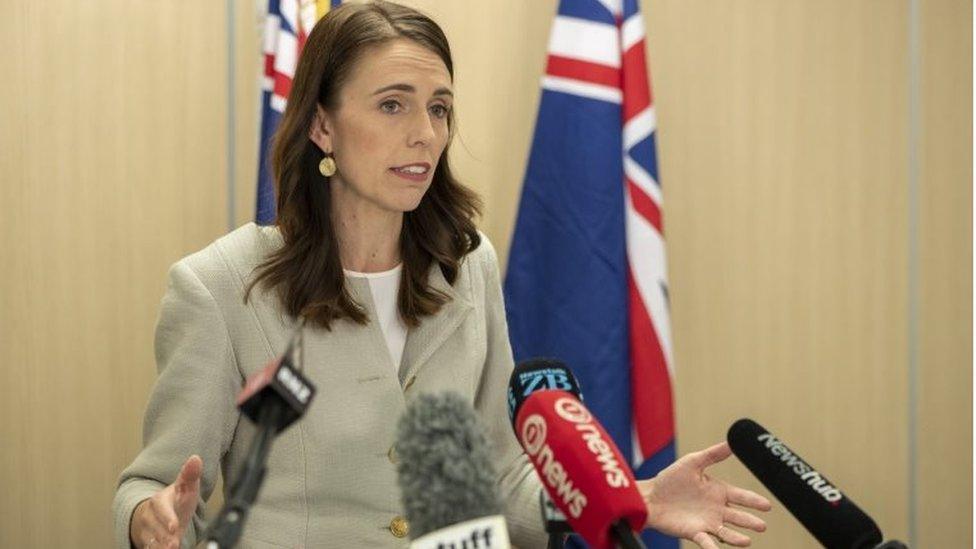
(390, 107)
(440, 111)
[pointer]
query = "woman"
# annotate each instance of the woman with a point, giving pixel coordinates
(375, 248)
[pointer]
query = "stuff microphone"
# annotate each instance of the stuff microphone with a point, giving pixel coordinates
(581, 468)
(818, 504)
(446, 478)
(273, 398)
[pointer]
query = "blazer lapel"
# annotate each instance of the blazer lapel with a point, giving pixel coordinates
(434, 330)
(347, 343)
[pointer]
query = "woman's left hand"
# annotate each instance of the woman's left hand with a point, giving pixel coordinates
(684, 502)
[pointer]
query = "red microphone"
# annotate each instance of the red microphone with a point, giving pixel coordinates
(581, 468)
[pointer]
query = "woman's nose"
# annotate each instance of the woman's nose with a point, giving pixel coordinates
(422, 131)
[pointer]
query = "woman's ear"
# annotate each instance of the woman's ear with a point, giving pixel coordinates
(321, 131)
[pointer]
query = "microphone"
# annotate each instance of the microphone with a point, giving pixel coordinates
(277, 394)
(816, 502)
(539, 374)
(553, 518)
(446, 477)
(529, 376)
(273, 398)
(581, 468)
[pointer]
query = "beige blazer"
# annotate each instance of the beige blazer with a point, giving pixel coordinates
(331, 478)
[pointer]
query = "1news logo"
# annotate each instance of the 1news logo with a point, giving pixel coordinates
(573, 411)
(533, 434)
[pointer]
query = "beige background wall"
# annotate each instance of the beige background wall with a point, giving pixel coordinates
(812, 288)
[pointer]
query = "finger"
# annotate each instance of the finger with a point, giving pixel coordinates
(149, 535)
(704, 541)
(165, 516)
(743, 519)
(732, 537)
(155, 536)
(189, 476)
(712, 455)
(167, 541)
(747, 498)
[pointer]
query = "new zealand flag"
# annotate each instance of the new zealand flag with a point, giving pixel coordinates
(587, 277)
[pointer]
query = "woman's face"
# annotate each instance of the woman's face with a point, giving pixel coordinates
(390, 127)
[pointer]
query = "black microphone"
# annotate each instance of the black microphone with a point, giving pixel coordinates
(273, 398)
(446, 477)
(530, 376)
(817, 503)
(539, 374)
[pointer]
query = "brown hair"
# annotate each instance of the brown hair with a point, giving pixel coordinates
(306, 272)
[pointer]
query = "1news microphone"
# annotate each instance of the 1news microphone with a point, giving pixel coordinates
(581, 468)
(818, 504)
(446, 478)
(273, 398)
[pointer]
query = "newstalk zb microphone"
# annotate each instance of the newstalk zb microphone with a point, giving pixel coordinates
(817, 503)
(539, 374)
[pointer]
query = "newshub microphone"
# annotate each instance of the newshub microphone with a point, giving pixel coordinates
(816, 502)
(447, 481)
(582, 469)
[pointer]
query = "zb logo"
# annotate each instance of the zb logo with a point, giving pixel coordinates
(547, 379)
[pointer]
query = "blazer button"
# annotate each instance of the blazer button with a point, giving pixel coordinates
(392, 454)
(399, 527)
(409, 382)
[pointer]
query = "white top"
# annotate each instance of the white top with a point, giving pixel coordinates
(384, 288)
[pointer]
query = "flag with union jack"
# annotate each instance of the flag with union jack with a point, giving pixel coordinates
(286, 27)
(587, 278)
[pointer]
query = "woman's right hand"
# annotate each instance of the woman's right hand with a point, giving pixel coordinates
(159, 522)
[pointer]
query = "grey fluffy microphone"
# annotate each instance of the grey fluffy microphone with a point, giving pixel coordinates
(444, 471)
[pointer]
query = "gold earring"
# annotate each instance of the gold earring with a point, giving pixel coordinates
(327, 166)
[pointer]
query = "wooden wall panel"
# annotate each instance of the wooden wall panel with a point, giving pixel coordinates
(782, 134)
(945, 233)
(248, 71)
(112, 149)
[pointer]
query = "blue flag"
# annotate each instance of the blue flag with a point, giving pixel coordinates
(586, 280)
(286, 27)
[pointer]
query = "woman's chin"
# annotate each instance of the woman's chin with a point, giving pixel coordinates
(411, 207)
(408, 203)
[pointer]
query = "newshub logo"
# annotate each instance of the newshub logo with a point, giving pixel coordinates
(806, 473)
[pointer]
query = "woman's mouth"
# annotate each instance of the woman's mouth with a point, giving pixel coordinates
(413, 172)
